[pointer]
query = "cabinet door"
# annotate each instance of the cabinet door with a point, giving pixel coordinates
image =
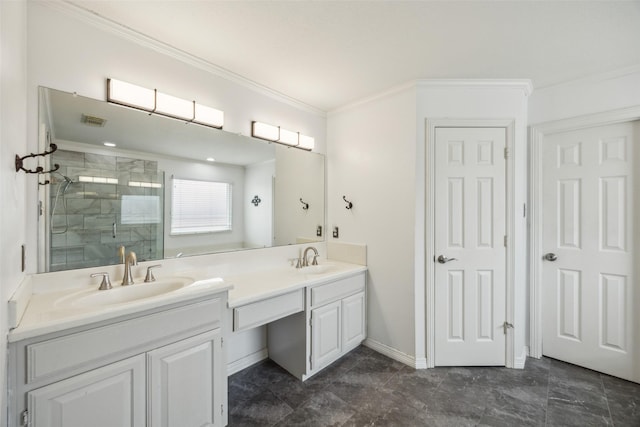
(113, 395)
(186, 381)
(326, 336)
(353, 321)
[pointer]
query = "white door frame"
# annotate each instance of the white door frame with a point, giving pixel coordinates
(537, 134)
(430, 173)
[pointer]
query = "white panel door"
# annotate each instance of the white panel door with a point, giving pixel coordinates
(113, 395)
(184, 380)
(470, 221)
(590, 290)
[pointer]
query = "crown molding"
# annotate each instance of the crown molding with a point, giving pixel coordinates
(626, 114)
(376, 97)
(127, 33)
(594, 78)
(524, 84)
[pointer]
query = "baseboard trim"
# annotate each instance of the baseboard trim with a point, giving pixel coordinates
(520, 361)
(395, 354)
(247, 361)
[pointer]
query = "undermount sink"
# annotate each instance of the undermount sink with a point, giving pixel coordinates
(316, 269)
(124, 294)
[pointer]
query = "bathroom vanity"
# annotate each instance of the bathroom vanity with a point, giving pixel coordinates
(314, 315)
(154, 354)
(152, 363)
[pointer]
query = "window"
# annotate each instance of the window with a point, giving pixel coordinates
(140, 209)
(200, 206)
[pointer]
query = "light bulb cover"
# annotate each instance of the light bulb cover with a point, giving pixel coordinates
(152, 101)
(281, 136)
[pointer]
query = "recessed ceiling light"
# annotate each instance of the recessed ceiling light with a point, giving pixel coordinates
(109, 144)
(210, 159)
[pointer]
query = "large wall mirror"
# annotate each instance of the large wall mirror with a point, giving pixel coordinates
(163, 188)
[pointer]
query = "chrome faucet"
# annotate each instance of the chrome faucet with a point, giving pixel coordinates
(305, 261)
(130, 260)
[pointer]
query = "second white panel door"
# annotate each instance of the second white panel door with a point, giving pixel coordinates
(470, 216)
(590, 287)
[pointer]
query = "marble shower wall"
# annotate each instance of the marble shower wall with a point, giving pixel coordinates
(81, 233)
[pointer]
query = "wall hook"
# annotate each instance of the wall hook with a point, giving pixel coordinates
(39, 169)
(256, 200)
(305, 205)
(349, 204)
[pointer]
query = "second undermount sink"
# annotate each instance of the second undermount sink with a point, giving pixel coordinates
(316, 269)
(124, 294)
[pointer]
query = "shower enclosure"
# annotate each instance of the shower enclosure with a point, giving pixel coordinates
(99, 203)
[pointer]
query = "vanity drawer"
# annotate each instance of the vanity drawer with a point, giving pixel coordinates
(95, 347)
(268, 310)
(323, 294)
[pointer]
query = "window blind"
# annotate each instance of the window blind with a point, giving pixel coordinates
(200, 206)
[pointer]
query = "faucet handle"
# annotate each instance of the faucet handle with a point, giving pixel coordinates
(106, 282)
(315, 260)
(149, 277)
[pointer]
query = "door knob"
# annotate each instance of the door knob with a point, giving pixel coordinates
(443, 259)
(550, 256)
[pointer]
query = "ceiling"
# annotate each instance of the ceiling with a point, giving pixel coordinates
(330, 53)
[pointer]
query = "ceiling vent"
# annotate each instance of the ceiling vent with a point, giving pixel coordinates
(93, 120)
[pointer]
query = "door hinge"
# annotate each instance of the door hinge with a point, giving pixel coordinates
(506, 325)
(221, 341)
(310, 321)
(506, 152)
(24, 418)
(505, 241)
(310, 362)
(222, 410)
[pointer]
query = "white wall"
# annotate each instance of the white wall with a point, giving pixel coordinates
(377, 159)
(48, 44)
(76, 52)
(597, 94)
(490, 100)
(13, 107)
(372, 161)
(298, 176)
(258, 223)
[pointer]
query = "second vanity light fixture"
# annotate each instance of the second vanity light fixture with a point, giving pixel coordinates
(281, 136)
(154, 102)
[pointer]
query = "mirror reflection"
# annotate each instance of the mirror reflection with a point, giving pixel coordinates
(163, 188)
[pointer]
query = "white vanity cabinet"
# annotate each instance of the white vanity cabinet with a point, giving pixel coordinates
(184, 383)
(113, 395)
(333, 323)
(163, 367)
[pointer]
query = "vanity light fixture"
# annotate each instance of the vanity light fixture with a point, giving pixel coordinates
(108, 144)
(210, 159)
(154, 102)
(281, 136)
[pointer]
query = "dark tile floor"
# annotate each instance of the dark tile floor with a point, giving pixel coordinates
(366, 388)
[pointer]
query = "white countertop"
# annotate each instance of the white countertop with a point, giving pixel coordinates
(252, 287)
(46, 312)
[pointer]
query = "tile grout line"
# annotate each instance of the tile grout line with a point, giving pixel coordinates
(546, 408)
(606, 397)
